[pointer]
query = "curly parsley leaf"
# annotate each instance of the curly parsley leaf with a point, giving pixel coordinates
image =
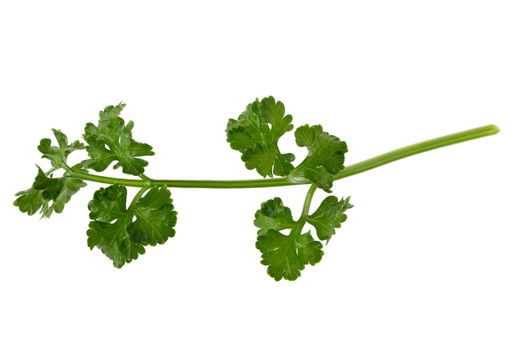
(48, 195)
(256, 134)
(285, 255)
(326, 156)
(329, 216)
(112, 141)
(122, 232)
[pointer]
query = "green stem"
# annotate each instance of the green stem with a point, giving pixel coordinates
(298, 228)
(416, 148)
(146, 179)
(307, 202)
(350, 170)
(137, 197)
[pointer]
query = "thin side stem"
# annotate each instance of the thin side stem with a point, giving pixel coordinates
(350, 170)
(137, 197)
(307, 202)
(298, 228)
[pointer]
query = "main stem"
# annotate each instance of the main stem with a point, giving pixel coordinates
(350, 170)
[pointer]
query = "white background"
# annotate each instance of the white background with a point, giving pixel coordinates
(433, 253)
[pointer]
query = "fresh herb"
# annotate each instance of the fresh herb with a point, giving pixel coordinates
(122, 228)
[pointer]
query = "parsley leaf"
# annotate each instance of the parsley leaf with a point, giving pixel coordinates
(29, 201)
(58, 155)
(256, 133)
(48, 194)
(273, 215)
(326, 156)
(329, 216)
(112, 141)
(155, 217)
(122, 232)
(108, 228)
(285, 255)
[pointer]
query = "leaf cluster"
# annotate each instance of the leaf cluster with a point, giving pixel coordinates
(256, 134)
(119, 230)
(287, 255)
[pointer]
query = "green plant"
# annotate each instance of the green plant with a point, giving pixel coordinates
(122, 231)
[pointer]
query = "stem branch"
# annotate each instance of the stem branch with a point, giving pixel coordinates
(307, 202)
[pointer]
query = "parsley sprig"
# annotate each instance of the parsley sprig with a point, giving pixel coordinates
(122, 228)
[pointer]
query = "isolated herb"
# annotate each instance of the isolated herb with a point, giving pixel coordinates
(122, 231)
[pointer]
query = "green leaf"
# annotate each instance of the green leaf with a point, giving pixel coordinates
(112, 141)
(58, 155)
(155, 218)
(326, 156)
(69, 187)
(29, 201)
(287, 256)
(273, 215)
(256, 134)
(309, 250)
(56, 191)
(48, 195)
(329, 216)
(108, 228)
(122, 232)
